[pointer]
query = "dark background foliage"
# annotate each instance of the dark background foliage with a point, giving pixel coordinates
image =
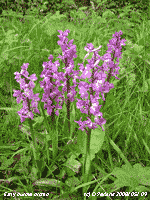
(64, 6)
(80, 3)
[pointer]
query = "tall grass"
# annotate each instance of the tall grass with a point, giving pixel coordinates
(126, 110)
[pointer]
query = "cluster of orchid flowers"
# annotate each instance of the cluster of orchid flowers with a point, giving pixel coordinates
(97, 78)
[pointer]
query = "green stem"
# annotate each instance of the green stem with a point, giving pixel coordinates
(68, 101)
(88, 132)
(87, 161)
(54, 135)
(47, 127)
(32, 132)
(34, 142)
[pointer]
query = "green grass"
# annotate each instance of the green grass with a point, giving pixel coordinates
(127, 129)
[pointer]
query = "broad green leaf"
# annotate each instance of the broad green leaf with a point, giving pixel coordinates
(15, 178)
(72, 117)
(54, 136)
(87, 172)
(81, 140)
(97, 139)
(48, 182)
(73, 164)
(72, 182)
(126, 176)
(143, 174)
(141, 189)
(131, 176)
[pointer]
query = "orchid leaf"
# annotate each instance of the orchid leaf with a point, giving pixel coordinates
(73, 164)
(96, 142)
(72, 182)
(48, 182)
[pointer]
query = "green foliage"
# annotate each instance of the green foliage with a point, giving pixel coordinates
(32, 41)
(108, 14)
(131, 176)
(82, 3)
(78, 16)
(6, 162)
(118, 6)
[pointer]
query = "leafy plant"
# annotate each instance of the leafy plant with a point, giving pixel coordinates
(79, 15)
(120, 160)
(132, 177)
(108, 14)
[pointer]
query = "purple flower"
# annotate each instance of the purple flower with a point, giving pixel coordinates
(26, 111)
(89, 92)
